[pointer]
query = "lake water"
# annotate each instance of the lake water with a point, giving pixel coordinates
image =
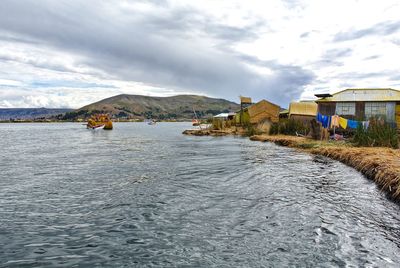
(143, 195)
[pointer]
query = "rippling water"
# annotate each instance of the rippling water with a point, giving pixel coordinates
(144, 195)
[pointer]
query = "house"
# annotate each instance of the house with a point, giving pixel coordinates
(258, 113)
(303, 111)
(362, 104)
(224, 116)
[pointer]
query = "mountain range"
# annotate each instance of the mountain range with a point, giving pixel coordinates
(163, 108)
(30, 113)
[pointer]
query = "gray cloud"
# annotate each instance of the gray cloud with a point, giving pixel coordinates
(395, 77)
(176, 48)
(304, 35)
(373, 57)
(380, 29)
(396, 42)
(338, 53)
(333, 57)
(294, 4)
(356, 75)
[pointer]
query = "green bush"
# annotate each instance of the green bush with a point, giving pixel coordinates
(378, 134)
(251, 130)
(289, 127)
(217, 124)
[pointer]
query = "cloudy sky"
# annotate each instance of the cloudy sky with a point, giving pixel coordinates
(71, 53)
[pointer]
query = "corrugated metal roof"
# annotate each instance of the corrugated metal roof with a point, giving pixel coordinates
(303, 108)
(363, 94)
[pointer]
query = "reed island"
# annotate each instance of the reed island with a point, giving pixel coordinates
(361, 133)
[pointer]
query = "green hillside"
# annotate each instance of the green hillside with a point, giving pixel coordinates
(162, 108)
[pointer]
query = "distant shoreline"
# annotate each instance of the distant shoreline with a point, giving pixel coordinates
(119, 121)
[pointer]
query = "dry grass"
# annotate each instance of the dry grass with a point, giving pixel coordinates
(377, 163)
(215, 132)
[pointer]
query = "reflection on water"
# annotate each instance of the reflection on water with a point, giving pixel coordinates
(149, 196)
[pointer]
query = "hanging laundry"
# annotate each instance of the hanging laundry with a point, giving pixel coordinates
(352, 123)
(325, 120)
(343, 122)
(365, 124)
(335, 121)
(319, 117)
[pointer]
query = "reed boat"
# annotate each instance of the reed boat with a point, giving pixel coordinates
(99, 121)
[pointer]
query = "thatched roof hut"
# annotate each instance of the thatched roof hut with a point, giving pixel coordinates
(263, 110)
(303, 110)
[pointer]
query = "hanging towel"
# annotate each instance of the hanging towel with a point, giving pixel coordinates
(319, 117)
(352, 123)
(335, 121)
(326, 121)
(343, 122)
(365, 124)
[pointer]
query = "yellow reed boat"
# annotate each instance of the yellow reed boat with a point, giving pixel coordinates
(100, 121)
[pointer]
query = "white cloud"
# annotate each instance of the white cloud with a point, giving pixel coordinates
(278, 50)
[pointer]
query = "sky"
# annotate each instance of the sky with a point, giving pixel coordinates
(69, 53)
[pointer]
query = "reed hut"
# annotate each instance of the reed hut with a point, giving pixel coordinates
(263, 110)
(259, 112)
(303, 111)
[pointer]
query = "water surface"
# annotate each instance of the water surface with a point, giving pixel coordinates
(144, 195)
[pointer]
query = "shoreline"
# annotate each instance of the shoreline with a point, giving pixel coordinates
(380, 164)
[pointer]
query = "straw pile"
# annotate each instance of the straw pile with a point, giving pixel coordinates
(290, 141)
(213, 132)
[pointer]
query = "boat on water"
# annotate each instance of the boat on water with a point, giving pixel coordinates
(99, 121)
(195, 122)
(150, 121)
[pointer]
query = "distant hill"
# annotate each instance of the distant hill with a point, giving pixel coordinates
(163, 108)
(30, 113)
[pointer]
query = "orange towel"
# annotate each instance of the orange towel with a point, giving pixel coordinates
(335, 121)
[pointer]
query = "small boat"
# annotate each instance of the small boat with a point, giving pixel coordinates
(150, 121)
(195, 123)
(98, 121)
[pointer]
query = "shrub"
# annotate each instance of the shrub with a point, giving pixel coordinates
(289, 127)
(251, 130)
(378, 134)
(217, 124)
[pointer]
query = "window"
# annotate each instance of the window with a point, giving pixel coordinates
(346, 108)
(375, 109)
(384, 110)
